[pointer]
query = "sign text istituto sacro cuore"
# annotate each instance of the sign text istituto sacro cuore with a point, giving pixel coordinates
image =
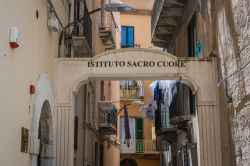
(177, 63)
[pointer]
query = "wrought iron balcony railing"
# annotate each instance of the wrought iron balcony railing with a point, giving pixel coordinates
(130, 93)
(108, 121)
(138, 147)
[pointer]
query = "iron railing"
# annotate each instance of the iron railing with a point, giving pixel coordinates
(165, 119)
(78, 39)
(161, 144)
(138, 146)
(130, 93)
(108, 121)
(178, 107)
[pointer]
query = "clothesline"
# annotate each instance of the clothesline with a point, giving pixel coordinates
(162, 92)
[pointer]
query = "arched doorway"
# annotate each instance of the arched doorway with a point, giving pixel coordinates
(128, 162)
(45, 135)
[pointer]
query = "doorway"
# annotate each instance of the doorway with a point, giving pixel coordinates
(45, 156)
(128, 162)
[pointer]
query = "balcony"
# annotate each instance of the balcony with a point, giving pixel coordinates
(77, 42)
(166, 21)
(162, 144)
(130, 94)
(131, 90)
(139, 147)
(107, 118)
(166, 127)
(165, 131)
(107, 31)
(182, 107)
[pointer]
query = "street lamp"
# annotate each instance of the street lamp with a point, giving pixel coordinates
(114, 7)
(135, 102)
(118, 7)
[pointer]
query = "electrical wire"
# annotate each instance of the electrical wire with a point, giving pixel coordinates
(237, 71)
(116, 25)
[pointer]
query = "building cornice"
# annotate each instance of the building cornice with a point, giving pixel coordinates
(139, 12)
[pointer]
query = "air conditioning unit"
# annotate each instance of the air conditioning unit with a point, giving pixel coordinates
(53, 22)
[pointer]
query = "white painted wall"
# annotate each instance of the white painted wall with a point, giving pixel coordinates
(21, 67)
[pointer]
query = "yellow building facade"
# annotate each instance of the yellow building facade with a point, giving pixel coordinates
(142, 149)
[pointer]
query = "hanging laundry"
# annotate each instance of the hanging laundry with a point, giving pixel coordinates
(149, 110)
(157, 120)
(140, 89)
(122, 84)
(157, 92)
(163, 91)
(127, 127)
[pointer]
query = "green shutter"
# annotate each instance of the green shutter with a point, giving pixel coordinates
(139, 135)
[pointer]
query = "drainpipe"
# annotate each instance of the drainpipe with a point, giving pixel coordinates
(102, 14)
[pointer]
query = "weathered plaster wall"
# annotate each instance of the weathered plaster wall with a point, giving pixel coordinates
(234, 50)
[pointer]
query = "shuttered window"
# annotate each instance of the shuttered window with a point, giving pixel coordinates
(127, 36)
(192, 36)
(139, 135)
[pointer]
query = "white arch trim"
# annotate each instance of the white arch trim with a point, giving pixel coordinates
(43, 93)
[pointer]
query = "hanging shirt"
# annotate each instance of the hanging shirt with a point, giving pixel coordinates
(141, 90)
(156, 92)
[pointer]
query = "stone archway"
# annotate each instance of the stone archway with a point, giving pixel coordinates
(45, 135)
(43, 102)
(198, 73)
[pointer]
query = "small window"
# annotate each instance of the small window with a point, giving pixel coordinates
(102, 91)
(127, 36)
(192, 36)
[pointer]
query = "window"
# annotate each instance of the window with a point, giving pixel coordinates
(137, 135)
(192, 102)
(76, 133)
(192, 36)
(127, 36)
(102, 91)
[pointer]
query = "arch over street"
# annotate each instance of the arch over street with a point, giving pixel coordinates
(147, 64)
